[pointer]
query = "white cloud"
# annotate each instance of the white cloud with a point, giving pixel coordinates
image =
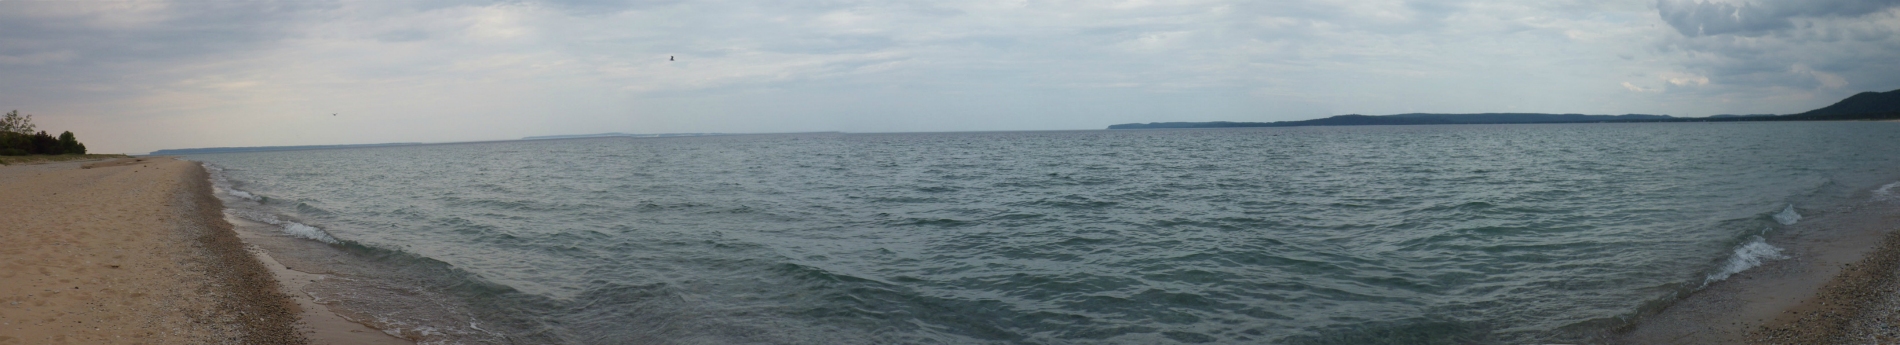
(496, 23)
(1634, 88)
(1685, 79)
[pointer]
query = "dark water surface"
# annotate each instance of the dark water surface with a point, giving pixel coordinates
(1309, 235)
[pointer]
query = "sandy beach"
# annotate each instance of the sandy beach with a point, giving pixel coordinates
(137, 251)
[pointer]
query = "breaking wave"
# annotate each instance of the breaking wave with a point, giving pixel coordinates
(1788, 216)
(222, 184)
(1748, 255)
(1886, 192)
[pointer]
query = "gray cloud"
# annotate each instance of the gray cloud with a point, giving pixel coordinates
(1783, 56)
(606, 7)
(63, 49)
(1704, 18)
(145, 33)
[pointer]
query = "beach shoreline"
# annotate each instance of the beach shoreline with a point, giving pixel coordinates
(346, 297)
(1836, 266)
(138, 251)
(322, 324)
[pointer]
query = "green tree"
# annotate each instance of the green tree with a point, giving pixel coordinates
(70, 145)
(44, 144)
(13, 144)
(15, 123)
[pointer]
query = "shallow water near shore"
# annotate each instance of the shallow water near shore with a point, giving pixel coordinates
(1310, 235)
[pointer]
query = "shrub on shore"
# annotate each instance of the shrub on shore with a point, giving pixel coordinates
(17, 138)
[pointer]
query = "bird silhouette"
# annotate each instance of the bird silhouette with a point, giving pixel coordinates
(669, 58)
(332, 114)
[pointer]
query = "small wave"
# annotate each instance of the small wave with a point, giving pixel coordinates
(222, 183)
(242, 194)
(1749, 255)
(1787, 216)
(293, 228)
(306, 231)
(1886, 192)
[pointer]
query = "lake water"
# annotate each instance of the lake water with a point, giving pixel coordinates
(1308, 235)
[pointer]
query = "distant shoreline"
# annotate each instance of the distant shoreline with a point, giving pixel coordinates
(1883, 106)
(1502, 119)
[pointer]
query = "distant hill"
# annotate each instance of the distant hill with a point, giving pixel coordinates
(1863, 106)
(1530, 117)
(1862, 103)
(1341, 120)
(1410, 119)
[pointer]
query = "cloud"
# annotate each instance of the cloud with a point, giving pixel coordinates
(246, 73)
(1706, 18)
(1684, 79)
(1828, 80)
(1780, 56)
(112, 48)
(37, 58)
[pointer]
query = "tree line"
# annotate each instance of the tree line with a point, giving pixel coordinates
(17, 138)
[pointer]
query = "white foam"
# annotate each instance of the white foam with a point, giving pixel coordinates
(1886, 192)
(222, 184)
(242, 194)
(306, 231)
(1787, 216)
(1749, 255)
(293, 228)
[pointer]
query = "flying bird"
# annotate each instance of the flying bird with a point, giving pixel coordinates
(669, 58)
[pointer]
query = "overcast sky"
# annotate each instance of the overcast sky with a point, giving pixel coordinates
(137, 76)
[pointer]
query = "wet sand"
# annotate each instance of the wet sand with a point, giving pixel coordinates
(323, 325)
(137, 251)
(1840, 267)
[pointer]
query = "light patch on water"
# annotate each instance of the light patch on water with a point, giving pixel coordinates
(1750, 254)
(1787, 216)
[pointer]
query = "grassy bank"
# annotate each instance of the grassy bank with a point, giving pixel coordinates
(11, 160)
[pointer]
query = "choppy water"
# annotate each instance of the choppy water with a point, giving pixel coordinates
(1311, 235)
